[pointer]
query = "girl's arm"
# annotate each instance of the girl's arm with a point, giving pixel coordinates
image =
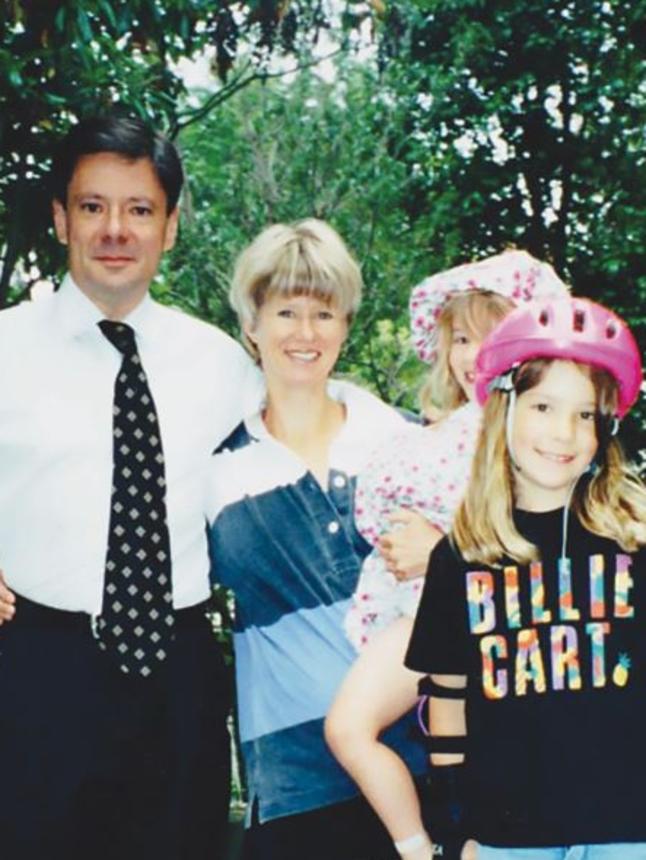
(438, 646)
(445, 811)
(447, 717)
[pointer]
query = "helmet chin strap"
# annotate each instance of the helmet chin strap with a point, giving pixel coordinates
(509, 426)
(566, 511)
(505, 383)
(592, 468)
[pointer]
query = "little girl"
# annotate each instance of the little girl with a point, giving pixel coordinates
(537, 601)
(424, 470)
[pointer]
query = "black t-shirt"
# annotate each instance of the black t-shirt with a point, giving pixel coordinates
(555, 656)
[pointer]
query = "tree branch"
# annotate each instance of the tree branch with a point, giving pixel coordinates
(240, 82)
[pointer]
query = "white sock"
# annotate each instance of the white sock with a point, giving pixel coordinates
(412, 843)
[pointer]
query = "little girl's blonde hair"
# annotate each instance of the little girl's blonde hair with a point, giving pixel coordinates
(611, 502)
(476, 312)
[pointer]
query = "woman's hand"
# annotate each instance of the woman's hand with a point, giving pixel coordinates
(407, 546)
(7, 601)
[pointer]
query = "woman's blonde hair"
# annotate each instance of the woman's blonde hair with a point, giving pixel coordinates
(476, 311)
(304, 258)
(611, 502)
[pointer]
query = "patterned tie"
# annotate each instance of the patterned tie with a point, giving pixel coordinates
(136, 624)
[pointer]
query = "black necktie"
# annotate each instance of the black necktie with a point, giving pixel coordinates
(136, 624)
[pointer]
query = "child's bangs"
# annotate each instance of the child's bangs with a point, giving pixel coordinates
(480, 311)
(606, 388)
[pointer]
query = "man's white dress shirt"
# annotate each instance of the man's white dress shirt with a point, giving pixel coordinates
(57, 374)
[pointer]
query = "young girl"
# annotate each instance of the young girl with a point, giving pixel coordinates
(537, 602)
(423, 470)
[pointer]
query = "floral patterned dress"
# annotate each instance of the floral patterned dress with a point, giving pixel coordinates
(422, 468)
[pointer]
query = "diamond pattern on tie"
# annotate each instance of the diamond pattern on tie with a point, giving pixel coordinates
(136, 624)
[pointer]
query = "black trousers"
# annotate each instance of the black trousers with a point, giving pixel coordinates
(97, 764)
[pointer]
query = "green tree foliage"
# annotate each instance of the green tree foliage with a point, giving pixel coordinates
(526, 125)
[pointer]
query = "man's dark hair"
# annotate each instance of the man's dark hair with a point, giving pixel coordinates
(129, 137)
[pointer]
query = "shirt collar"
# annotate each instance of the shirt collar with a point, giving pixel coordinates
(77, 315)
(361, 406)
(144, 319)
(363, 410)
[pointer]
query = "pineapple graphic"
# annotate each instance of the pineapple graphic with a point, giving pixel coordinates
(620, 672)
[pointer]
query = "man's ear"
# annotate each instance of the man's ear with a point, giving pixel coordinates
(60, 221)
(172, 224)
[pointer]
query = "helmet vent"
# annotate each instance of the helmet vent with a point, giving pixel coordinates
(578, 323)
(611, 330)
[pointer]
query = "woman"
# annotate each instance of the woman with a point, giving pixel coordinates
(284, 540)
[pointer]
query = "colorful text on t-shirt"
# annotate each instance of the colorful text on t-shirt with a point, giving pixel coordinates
(561, 642)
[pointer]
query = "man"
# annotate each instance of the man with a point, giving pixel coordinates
(113, 695)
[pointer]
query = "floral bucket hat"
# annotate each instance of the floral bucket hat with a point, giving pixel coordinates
(514, 274)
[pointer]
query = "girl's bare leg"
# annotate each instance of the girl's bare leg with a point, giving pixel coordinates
(376, 692)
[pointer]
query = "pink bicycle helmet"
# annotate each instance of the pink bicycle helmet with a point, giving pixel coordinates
(572, 329)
